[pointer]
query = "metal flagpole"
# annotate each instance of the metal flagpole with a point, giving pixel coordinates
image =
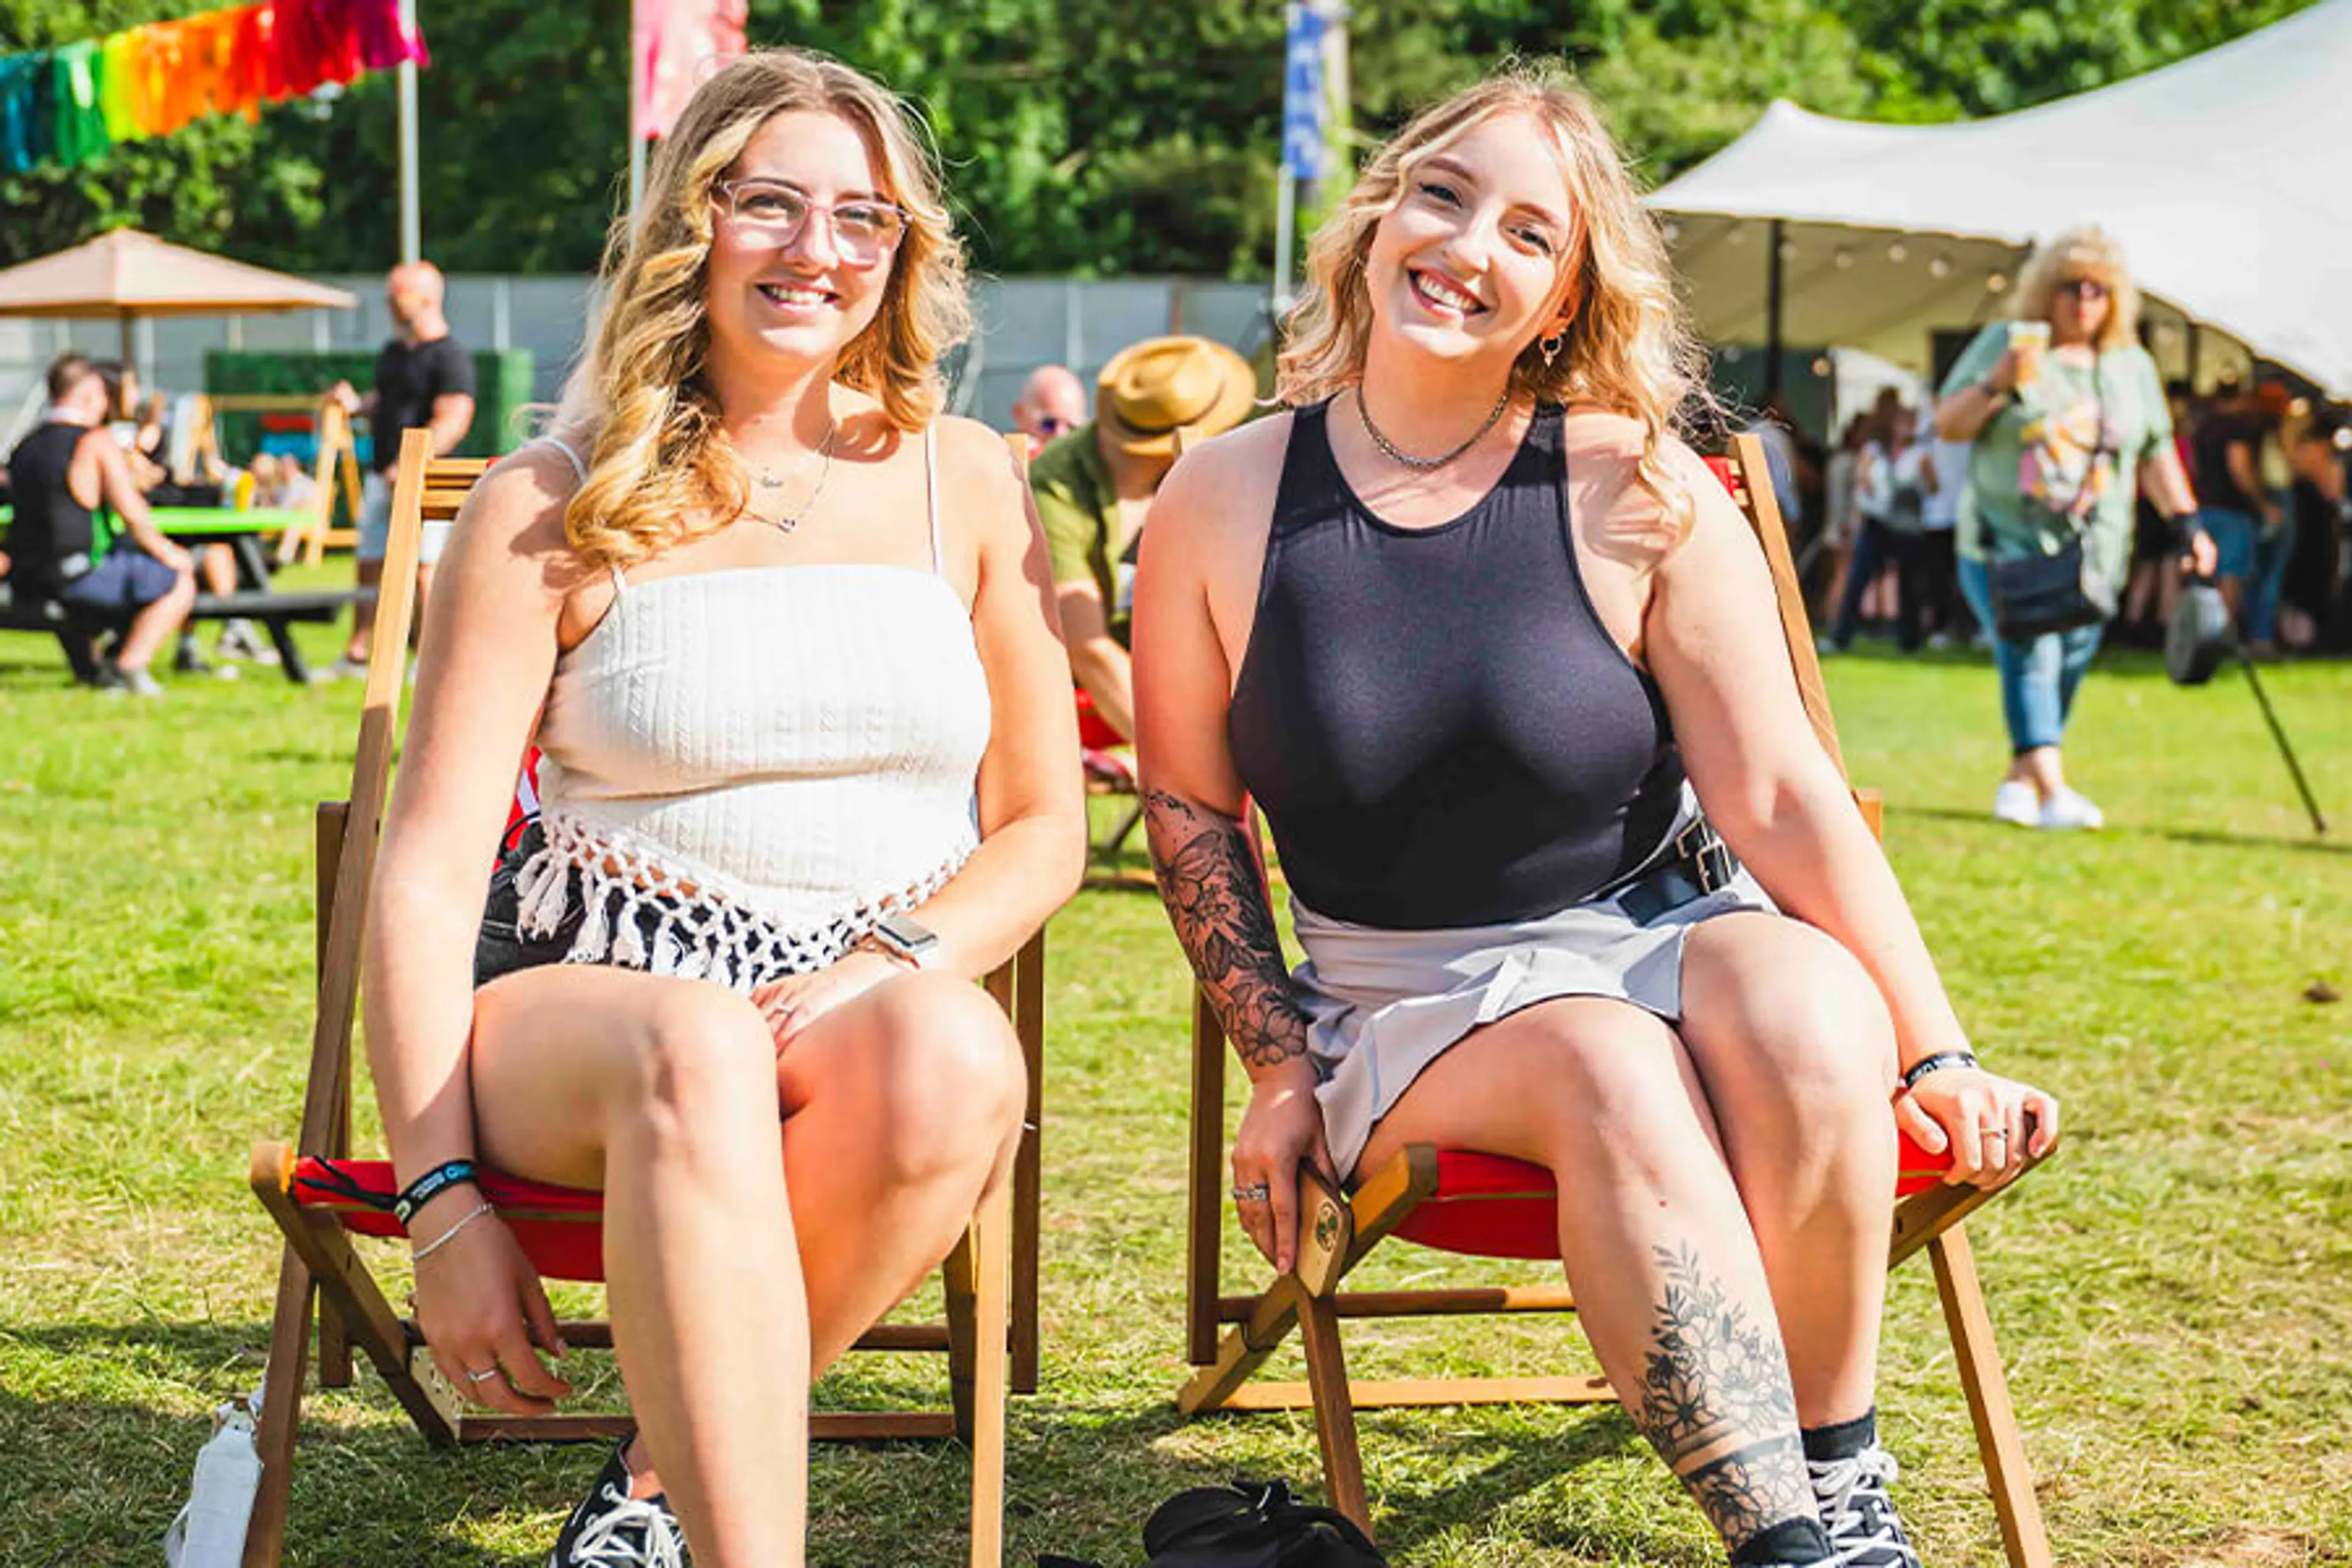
(411, 226)
(1285, 219)
(636, 99)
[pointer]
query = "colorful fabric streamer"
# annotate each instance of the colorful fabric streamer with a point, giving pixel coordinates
(70, 105)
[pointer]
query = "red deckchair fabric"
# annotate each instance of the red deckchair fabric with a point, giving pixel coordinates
(560, 1229)
(1488, 1207)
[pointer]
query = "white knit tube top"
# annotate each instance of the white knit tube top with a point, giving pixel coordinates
(766, 761)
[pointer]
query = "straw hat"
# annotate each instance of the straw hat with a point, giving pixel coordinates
(1152, 389)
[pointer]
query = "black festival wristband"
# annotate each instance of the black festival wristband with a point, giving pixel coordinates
(1937, 1063)
(431, 1185)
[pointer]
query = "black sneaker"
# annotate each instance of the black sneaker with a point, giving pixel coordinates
(115, 681)
(1857, 1513)
(610, 1528)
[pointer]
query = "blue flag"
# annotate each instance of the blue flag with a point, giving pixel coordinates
(1303, 150)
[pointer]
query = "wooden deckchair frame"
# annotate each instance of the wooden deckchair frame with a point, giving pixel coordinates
(1337, 1231)
(321, 1265)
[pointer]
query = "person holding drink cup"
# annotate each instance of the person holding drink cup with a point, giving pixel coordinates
(2068, 420)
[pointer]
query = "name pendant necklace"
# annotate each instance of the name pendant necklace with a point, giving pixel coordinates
(786, 522)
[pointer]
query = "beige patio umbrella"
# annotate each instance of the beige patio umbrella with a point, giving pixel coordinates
(126, 274)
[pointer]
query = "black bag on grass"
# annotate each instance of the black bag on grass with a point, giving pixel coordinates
(1246, 1525)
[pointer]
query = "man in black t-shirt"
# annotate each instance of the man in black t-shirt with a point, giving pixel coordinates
(2224, 451)
(424, 381)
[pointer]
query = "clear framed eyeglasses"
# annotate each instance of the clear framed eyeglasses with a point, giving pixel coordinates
(771, 213)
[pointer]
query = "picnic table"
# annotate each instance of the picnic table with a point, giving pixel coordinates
(255, 600)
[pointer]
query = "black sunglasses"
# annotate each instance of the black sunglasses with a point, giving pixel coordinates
(2084, 288)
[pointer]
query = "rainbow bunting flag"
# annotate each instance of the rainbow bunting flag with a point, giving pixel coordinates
(69, 105)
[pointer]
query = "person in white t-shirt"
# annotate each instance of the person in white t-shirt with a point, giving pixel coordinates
(1891, 482)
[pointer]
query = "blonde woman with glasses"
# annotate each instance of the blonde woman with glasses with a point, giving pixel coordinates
(1499, 659)
(2069, 423)
(786, 637)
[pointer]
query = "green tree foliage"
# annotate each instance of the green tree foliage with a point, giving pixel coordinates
(1088, 136)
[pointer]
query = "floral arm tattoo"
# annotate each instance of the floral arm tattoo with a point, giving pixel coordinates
(1217, 901)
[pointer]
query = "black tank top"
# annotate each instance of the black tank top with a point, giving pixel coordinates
(1437, 725)
(49, 527)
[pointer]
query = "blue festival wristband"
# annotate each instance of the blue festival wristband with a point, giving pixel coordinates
(431, 1185)
(1942, 1059)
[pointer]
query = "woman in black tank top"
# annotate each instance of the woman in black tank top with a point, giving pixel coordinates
(1480, 636)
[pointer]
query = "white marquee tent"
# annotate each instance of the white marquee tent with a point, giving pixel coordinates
(2224, 177)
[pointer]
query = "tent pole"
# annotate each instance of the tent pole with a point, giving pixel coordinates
(1772, 281)
(2196, 342)
(130, 342)
(412, 238)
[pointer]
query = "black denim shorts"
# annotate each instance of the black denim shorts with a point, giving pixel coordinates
(499, 945)
(502, 947)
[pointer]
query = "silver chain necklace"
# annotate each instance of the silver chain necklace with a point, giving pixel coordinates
(1424, 465)
(788, 521)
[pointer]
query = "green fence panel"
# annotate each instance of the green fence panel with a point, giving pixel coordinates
(503, 385)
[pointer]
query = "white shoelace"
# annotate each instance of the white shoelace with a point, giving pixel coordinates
(607, 1544)
(1857, 1513)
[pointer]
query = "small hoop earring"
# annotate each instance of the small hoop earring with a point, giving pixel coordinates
(1550, 347)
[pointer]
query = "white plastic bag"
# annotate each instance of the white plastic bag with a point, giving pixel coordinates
(210, 1530)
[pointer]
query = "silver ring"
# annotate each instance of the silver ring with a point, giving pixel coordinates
(483, 1375)
(1256, 1193)
(1999, 1132)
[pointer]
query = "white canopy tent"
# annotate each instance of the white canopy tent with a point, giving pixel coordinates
(2223, 176)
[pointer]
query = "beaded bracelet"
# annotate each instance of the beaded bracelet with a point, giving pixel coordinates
(430, 1185)
(1942, 1059)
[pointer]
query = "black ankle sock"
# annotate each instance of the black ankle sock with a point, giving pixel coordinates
(1792, 1541)
(1842, 1441)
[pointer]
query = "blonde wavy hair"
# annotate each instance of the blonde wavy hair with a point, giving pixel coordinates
(639, 402)
(2090, 252)
(1628, 348)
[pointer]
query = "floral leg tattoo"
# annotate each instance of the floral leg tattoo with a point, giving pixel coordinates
(1216, 900)
(1717, 1405)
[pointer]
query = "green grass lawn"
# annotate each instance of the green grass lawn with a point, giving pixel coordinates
(2174, 1292)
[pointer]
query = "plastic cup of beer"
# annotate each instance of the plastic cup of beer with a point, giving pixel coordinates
(2026, 341)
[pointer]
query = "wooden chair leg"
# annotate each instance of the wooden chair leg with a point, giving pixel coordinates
(327, 828)
(281, 1412)
(961, 1283)
(1028, 1167)
(1121, 831)
(1999, 1442)
(1334, 1412)
(1205, 1186)
(989, 1379)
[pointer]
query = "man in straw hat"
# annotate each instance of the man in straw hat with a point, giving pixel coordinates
(1094, 485)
